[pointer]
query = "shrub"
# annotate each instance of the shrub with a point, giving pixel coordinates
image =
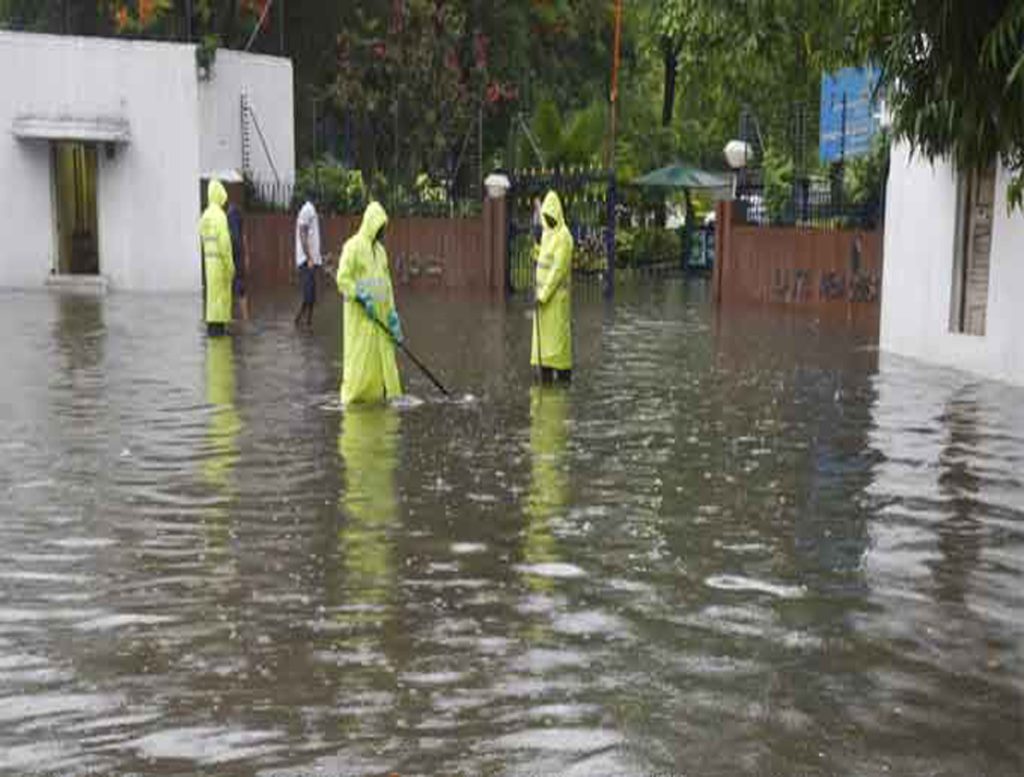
(338, 189)
(639, 247)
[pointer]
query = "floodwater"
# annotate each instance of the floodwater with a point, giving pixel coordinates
(742, 544)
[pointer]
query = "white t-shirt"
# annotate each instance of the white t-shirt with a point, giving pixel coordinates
(307, 218)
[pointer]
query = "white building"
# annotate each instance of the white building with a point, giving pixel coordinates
(953, 278)
(103, 147)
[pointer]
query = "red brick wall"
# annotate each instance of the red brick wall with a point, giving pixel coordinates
(454, 253)
(799, 266)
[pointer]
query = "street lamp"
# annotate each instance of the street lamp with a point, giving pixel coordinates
(737, 152)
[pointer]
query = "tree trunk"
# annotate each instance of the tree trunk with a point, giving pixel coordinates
(688, 230)
(229, 24)
(670, 55)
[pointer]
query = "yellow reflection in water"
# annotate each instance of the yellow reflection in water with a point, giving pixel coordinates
(221, 434)
(549, 481)
(368, 446)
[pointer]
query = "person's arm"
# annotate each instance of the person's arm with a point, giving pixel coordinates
(304, 238)
(346, 277)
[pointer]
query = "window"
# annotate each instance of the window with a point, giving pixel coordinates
(975, 201)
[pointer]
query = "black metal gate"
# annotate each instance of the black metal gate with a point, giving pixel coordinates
(589, 201)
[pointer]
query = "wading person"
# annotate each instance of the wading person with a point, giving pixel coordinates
(372, 326)
(551, 353)
(240, 254)
(307, 259)
(218, 263)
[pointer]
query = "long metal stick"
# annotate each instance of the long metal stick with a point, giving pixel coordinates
(407, 352)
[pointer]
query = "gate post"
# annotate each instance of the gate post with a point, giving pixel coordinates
(495, 218)
(609, 238)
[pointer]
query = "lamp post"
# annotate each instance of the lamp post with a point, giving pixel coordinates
(737, 154)
(614, 93)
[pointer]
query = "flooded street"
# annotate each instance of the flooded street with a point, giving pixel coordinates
(740, 544)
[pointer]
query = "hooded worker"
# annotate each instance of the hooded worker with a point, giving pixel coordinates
(551, 354)
(218, 261)
(372, 326)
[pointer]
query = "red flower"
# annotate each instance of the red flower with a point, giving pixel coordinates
(480, 43)
(380, 49)
(121, 19)
(493, 92)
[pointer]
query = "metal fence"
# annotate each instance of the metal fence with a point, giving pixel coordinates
(588, 199)
(806, 204)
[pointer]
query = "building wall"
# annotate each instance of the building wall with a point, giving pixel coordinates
(449, 253)
(834, 272)
(917, 285)
(147, 193)
(268, 82)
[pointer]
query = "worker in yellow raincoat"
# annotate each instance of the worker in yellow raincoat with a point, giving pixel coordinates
(551, 353)
(218, 262)
(372, 326)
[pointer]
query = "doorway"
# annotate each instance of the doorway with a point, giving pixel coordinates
(74, 179)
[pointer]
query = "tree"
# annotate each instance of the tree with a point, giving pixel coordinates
(414, 79)
(954, 79)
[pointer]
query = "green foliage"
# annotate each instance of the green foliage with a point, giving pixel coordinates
(762, 55)
(865, 176)
(954, 75)
(589, 254)
(574, 139)
(778, 183)
(404, 75)
(336, 188)
(647, 246)
(206, 55)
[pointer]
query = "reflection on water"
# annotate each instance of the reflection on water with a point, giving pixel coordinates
(221, 454)
(368, 446)
(741, 543)
(548, 495)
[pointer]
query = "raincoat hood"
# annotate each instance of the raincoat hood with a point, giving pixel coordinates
(552, 206)
(374, 219)
(216, 194)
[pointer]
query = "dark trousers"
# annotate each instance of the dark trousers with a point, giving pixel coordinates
(307, 284)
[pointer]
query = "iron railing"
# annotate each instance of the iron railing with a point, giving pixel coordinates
(806, 206)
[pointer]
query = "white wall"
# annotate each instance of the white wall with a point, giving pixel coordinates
(917, 278)
(268, 81)
(147, 194)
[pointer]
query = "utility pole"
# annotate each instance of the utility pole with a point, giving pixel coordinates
(614, 95)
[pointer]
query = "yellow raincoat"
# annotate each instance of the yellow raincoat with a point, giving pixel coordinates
(551, 326)
(369, 370)
(218, 262)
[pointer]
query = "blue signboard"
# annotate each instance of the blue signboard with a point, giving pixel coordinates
(857, 85)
